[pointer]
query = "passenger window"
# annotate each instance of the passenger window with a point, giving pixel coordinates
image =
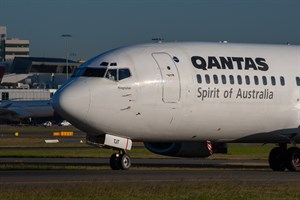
(216, 79)
(207, 79)
(298, 81)
(239, 78)
(247, 79)
(124, 73)
(256, 81)
(223, 79)
(264, 80)
(199, 79)
(111, 74)
(231, 79)
(282, 82)
(273, 80)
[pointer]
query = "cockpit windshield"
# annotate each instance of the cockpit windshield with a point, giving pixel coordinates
(111, 74)
(123, 73)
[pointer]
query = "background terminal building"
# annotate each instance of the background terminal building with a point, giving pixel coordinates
(12, 47)
(35, 74)
(20, 71)
(38, 73)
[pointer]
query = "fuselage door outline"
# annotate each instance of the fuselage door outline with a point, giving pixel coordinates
(171, 90)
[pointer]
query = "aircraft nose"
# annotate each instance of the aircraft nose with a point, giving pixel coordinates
(72, 102)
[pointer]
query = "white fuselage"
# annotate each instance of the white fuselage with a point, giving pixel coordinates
(168, 97)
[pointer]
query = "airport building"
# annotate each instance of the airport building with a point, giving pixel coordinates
(38, 73)
(2, 38)
(24, 72)
(2, 33)
(21, 94)
(12, 47)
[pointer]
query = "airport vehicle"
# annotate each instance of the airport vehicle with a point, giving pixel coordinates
(47, 124)
(17, 110)
(185, 99)
(64, 123)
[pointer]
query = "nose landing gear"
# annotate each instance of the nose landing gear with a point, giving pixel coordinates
(120, 161)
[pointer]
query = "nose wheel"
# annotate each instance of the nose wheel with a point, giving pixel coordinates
(120, 161)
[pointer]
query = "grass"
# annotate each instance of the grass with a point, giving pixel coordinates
(34, 129)
(246, 151)
(75, 153)
(235, 151)
(150, 190)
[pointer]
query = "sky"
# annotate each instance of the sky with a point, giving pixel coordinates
(100, 25)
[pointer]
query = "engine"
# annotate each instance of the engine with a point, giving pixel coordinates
(185, 149)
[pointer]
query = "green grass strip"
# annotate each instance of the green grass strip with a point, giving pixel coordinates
(150, 190)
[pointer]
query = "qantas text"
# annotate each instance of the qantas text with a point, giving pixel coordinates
(240, 63)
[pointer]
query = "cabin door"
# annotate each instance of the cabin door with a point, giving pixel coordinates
(170, 77)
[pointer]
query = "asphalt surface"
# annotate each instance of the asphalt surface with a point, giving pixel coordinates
(78, 176)
(142, 162)
(250, 171)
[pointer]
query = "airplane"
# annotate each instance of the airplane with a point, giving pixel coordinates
(184, 99)
(16, 110)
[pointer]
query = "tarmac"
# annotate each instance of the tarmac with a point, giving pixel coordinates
(147, 170)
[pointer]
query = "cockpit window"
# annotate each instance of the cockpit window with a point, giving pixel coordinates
(111, 74)
(104, 64)
(124, 73)
(117, 74)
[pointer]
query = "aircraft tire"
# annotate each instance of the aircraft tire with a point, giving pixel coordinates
(125, 161)
(293, 159)
(114, 162)
(277, 159)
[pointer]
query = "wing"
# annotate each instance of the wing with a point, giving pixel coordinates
(13, 114)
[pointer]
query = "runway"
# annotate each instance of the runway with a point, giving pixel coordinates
(78, 176)
(147, 170)
(149, 162)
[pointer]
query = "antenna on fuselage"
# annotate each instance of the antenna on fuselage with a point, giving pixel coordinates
(158, 40)
(223, 42)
